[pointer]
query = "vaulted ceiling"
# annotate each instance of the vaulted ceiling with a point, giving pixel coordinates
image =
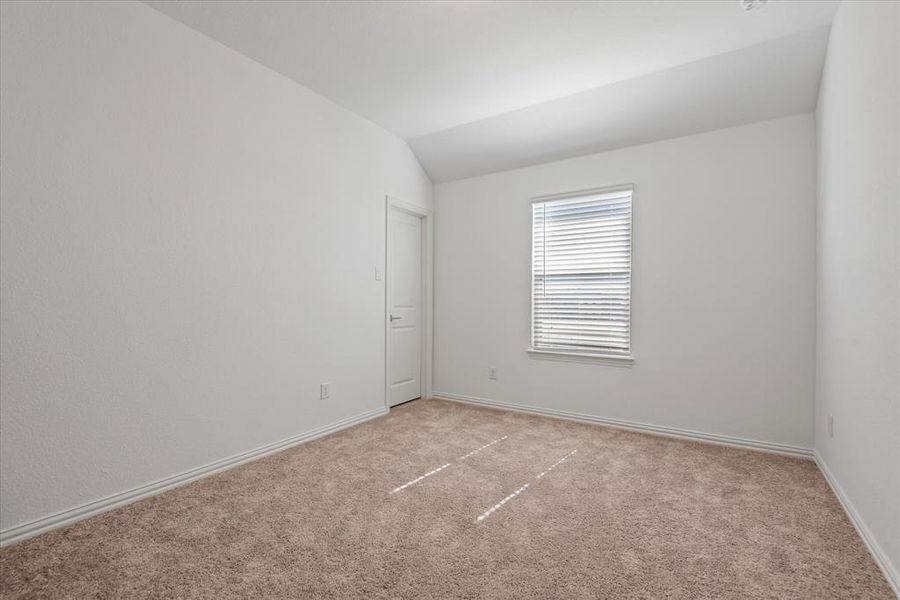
(481, 86)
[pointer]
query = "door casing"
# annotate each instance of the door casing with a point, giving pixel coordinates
(427, 348)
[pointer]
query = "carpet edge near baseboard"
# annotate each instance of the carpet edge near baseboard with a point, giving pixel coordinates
(878, 554)
(875, 550)
(673, 432)
(69, 516)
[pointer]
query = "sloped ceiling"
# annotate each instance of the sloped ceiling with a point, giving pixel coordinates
(476, 87)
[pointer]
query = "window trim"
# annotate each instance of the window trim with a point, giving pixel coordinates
(584, 356)
(618, 360)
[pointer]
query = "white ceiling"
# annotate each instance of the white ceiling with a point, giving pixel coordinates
(445, 74)
(753, 84)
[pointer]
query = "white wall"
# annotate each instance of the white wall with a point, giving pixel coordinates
(858, 375)
(723, 285)
(188, 248)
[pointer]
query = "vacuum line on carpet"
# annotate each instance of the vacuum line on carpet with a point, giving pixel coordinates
(418, 479)
(477, 450)
(442, 467)
(488, 512)
(557, 463)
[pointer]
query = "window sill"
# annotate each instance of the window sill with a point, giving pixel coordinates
(581, 357)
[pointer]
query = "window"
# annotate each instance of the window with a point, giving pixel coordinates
(581, 274)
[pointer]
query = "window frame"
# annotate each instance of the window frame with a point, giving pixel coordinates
(575, 355)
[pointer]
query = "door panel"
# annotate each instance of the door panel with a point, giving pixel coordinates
(405, 304)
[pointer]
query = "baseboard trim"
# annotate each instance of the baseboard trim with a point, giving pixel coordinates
(881, 559)
(78, 513)
(889, 570)
(674, 432)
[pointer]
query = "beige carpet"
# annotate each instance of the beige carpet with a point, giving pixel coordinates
(620, 515)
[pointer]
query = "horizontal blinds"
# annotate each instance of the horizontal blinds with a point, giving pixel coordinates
(581, 266)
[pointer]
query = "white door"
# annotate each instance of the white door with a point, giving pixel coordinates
(404, 307)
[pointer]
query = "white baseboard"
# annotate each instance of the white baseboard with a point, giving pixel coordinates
(881, 559)
(66, 517)
(685, 434)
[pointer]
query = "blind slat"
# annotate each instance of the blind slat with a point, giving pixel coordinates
(581, 266)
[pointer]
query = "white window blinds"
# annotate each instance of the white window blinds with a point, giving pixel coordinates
(581, 273)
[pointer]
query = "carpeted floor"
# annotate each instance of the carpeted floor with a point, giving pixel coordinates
(619, 515)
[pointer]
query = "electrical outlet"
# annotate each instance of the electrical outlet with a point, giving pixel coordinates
(379, 274)
(325, 391)
(492, 372)
(830, 426)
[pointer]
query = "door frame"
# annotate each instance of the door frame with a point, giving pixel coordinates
(427, 324)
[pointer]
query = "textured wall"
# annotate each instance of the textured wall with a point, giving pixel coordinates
(188, 249)
(723, 285)
(858, 325)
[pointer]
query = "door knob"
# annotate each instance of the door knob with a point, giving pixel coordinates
(393, 318)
